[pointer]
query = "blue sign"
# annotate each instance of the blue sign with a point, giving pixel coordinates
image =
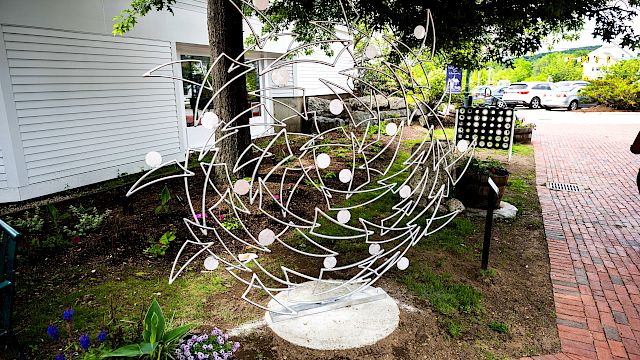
(453, 80)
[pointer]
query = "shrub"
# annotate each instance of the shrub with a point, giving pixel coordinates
(89, 220)
(620, 88)
(616, 93)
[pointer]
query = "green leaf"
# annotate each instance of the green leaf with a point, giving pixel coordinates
(148, 348)
(132, 350)
(176, 333)
(151, 325)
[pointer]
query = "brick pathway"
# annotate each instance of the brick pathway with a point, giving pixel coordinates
(593, 236)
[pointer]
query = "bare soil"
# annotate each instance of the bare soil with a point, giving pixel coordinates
(519, 296)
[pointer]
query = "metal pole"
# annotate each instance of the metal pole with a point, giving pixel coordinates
(488, 224)
(468, 99)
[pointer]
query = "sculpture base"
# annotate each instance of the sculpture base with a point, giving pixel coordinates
(360, 319)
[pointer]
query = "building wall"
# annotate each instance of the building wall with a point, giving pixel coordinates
(74, 109)
(84, 112)
(3, 172)
(595, 70)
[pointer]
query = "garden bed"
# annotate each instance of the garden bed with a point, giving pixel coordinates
(449, 310)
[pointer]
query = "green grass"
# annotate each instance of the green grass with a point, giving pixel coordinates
(523, 149)
(350, 249)
(445, 295)
(487, 274)
(454, 328)
(453, 237)
(185, 301)
(499, 327)
(519, 185)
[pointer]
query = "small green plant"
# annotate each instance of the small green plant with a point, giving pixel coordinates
(313, 183)
(373, 129)
(165, 197)
(88, 219)
(500, 327)
(330, 175)
(230, 222)
(157, 343)
(486, 167)
(487, 274)
(31, 224)
(159, 248)
(453, 328)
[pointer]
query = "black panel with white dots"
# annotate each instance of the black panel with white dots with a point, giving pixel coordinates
(491, 128)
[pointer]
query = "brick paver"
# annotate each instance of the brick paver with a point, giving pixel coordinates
(593, 236)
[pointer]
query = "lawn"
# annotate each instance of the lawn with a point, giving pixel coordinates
(450, 309)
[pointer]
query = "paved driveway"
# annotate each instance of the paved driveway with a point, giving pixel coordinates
(593, 235)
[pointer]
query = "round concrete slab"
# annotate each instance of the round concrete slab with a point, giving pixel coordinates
(359, 320)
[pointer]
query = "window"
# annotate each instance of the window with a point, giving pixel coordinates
(542, 87)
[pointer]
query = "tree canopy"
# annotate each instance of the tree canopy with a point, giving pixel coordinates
(469, 32)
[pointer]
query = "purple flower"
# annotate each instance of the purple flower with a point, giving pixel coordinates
(220, 340)
(236, 346)
(201, 356)
(85, 342)
(67, 315)
(54, 332)
(102, 336)
(61, 356)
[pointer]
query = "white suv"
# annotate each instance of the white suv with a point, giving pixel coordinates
(527, 94)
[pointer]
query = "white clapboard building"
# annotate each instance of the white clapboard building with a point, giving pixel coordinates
(74, 107)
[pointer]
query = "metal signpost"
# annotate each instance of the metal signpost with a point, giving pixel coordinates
(488, 225)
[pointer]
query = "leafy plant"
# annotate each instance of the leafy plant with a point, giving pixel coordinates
(522, 124)
(89, 220)
(31, 224)
(165, 197)
(157, 342)
(230, 222)
(330, 175)
(159, 248)
(487, 167)
(620, 88)
(500, 327)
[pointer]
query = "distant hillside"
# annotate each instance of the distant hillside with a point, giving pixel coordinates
(582, 50)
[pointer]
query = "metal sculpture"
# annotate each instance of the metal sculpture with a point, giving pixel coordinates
(418, 184)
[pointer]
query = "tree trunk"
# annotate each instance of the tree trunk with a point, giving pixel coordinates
(225, 36)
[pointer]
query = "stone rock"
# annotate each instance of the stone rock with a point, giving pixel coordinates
(506, 211)
(396, 103)
(423, 120)
(391, 115)
(327, 123)
(360, 116)
(319, 105)
(378, 102)
(455, 205)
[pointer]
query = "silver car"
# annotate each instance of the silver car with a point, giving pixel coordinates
(566, 97)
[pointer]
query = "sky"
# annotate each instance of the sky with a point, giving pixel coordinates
(586, 39)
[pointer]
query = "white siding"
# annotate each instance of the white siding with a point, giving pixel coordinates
(308, 74)
(3, 173)
(282, 92)
(82, 105)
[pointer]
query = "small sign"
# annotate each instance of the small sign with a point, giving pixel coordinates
(257, 109)
(494, 186)
(453, 80)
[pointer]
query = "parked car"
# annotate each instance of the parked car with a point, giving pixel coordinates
(490, 95)
(569, 83)
(527, 94)
(479, 93)
(567, 97)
